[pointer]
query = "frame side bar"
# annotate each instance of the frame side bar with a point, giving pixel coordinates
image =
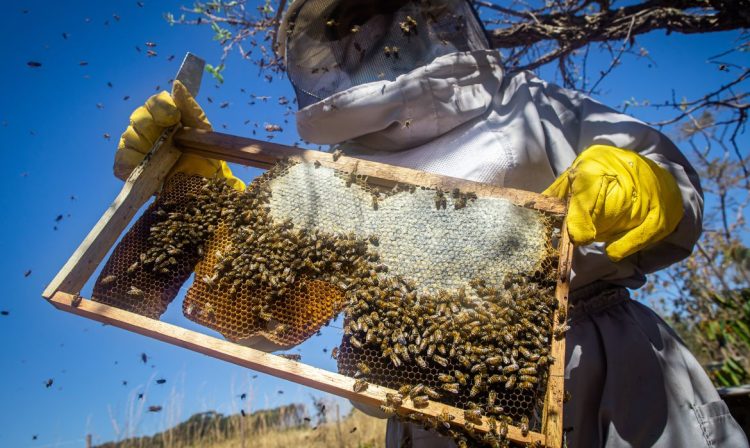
(553, 409)
(142, 183)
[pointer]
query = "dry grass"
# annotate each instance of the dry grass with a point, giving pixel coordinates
(369, 432)
(276, 428)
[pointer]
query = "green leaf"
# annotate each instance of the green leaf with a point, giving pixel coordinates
(216, 72)
(732, 365)
(742, 330)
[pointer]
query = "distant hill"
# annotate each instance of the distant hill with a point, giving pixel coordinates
(286, 426)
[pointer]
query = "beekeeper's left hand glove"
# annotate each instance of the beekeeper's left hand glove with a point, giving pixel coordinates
(618, 197)
(150, 120)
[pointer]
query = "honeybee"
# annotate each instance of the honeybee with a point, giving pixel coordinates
(502, 429)
(445, 418)
(525, 385)
(491, 397)
(76, 301)
(466, 362)
(421, 401)
(336, 154)
(473, 416)
(363, 368)
(420, 362)
(317, 164)
(475, 389)
(460, 377)
(395, 360)
(481, 367)
(355, 342)
(208, 310)
(210, 280)
(511, 368)
(511, 382)
(508, 337)
(391, 51)
(416, 390)
(450, 387)
(432, 393)
(444, 378)
(132, 267)
(440, 360)
(404, 389)
(388, 410)
(527, 371)
(351, 179)
(497, 410)
(524, 426)
(360, 386)
(560, 331)
(494, 360)
(525, 352)
(108, 280)
(135, 292)
(394, 399)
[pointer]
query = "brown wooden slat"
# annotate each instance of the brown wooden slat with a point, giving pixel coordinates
(257, 153)
(259, 361)
(553, 403)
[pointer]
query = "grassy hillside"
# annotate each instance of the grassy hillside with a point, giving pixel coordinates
(276, 428)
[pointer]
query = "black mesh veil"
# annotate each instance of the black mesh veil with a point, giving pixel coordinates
(332, 45)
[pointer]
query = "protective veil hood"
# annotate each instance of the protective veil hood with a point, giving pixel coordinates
(412, 110)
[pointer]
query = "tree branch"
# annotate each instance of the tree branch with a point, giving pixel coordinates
(578, 30)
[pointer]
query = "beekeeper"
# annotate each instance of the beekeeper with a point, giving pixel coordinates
(415, 84)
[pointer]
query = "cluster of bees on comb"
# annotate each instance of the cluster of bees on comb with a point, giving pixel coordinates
(473, 348)
(187, 229)
(483, 348)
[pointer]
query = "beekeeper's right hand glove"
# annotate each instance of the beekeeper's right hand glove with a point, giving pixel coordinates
(618, 197)
(150, 120)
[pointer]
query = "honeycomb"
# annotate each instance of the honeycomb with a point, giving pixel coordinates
(298, 315)
(123, 282)
(445, 296)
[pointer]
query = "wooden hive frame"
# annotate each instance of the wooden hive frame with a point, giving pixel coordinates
(64, 290)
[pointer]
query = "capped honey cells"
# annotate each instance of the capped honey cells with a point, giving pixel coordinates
(445, 296)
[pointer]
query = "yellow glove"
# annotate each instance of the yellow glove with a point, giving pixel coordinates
(146, 125)
(618, 197)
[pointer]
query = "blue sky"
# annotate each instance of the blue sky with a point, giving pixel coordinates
(57, 161)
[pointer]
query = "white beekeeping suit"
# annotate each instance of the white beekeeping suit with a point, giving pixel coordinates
(414, 84)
